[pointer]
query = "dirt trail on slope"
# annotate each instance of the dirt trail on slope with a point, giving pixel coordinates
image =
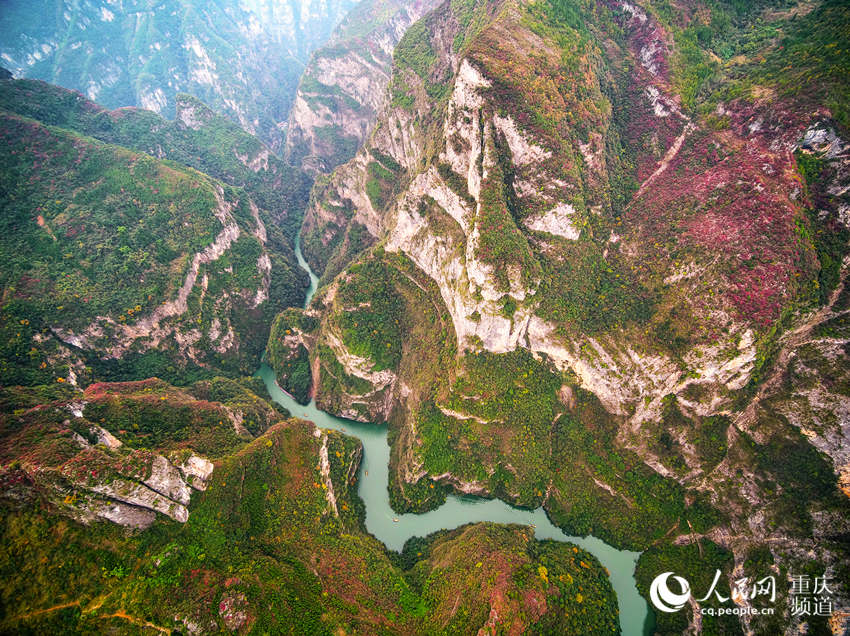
(792, 340)
(671, 153)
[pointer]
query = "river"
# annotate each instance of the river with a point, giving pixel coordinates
(394, 529)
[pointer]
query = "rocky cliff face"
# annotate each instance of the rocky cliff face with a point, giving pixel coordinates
(242, 58)
(210, 267)
(87, 455)
(76, 486)
(344, 86)
(627, 256)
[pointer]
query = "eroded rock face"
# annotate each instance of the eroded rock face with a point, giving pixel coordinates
(131, 489)
(251, 81)
(167, 322)
(805, 388)
(233, 608)
(220, 253)
(196, 471)
(436, 221)
(353, 385)
(344, 86)
(56, 453)
(708, 240)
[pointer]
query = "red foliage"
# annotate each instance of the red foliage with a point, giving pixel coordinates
(102, 389)
(735, 197)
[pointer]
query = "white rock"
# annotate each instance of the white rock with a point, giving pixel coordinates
(556, 221)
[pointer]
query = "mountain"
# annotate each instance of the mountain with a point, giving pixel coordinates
(197, 138)
(592, 257)
(584, 255)
(242, 58)
(344, 85)
(273, 541)
(85, 211)
(133, 247)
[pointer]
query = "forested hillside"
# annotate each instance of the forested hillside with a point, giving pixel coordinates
(592, 257)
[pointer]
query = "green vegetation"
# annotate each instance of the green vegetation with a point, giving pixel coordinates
(643, 507)
(371, 320)
(798, 469)
(262, 550)
(706, 46)
(231, 552)
(332, 97)
(344, 147)
(637, 282)
(481, 559)
(152, 414)
(356, 240)
(811, 62)
(330, 145)
(381, 185)
(829, 236)
(291, 364)
(84, 223)
(554, 95)
(512, 417)
(691, 66)
(379, 307)
(80, 217)
(456, 183)
(384, 179)
(472, 16)
(710, 440)
(213, 147)
(415, 59)
(319, 247)
(336, 385)
(415, 52)
(708, 435)
(803, 54)
(589, 293)
(163, 363)
(697, 563)
(501, 244)
(516, 394)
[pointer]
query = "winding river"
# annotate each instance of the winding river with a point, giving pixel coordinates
(394, 529)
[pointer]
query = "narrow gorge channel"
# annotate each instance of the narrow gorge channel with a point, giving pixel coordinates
(394, 529)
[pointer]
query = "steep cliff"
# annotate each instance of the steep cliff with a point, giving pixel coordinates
(242, 58)
(84, 216)
(343, 87)
(632, 224)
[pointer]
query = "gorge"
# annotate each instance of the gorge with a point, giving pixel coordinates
(393, 529)
(548, 300)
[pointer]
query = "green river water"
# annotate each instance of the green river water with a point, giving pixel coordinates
(394, 529)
